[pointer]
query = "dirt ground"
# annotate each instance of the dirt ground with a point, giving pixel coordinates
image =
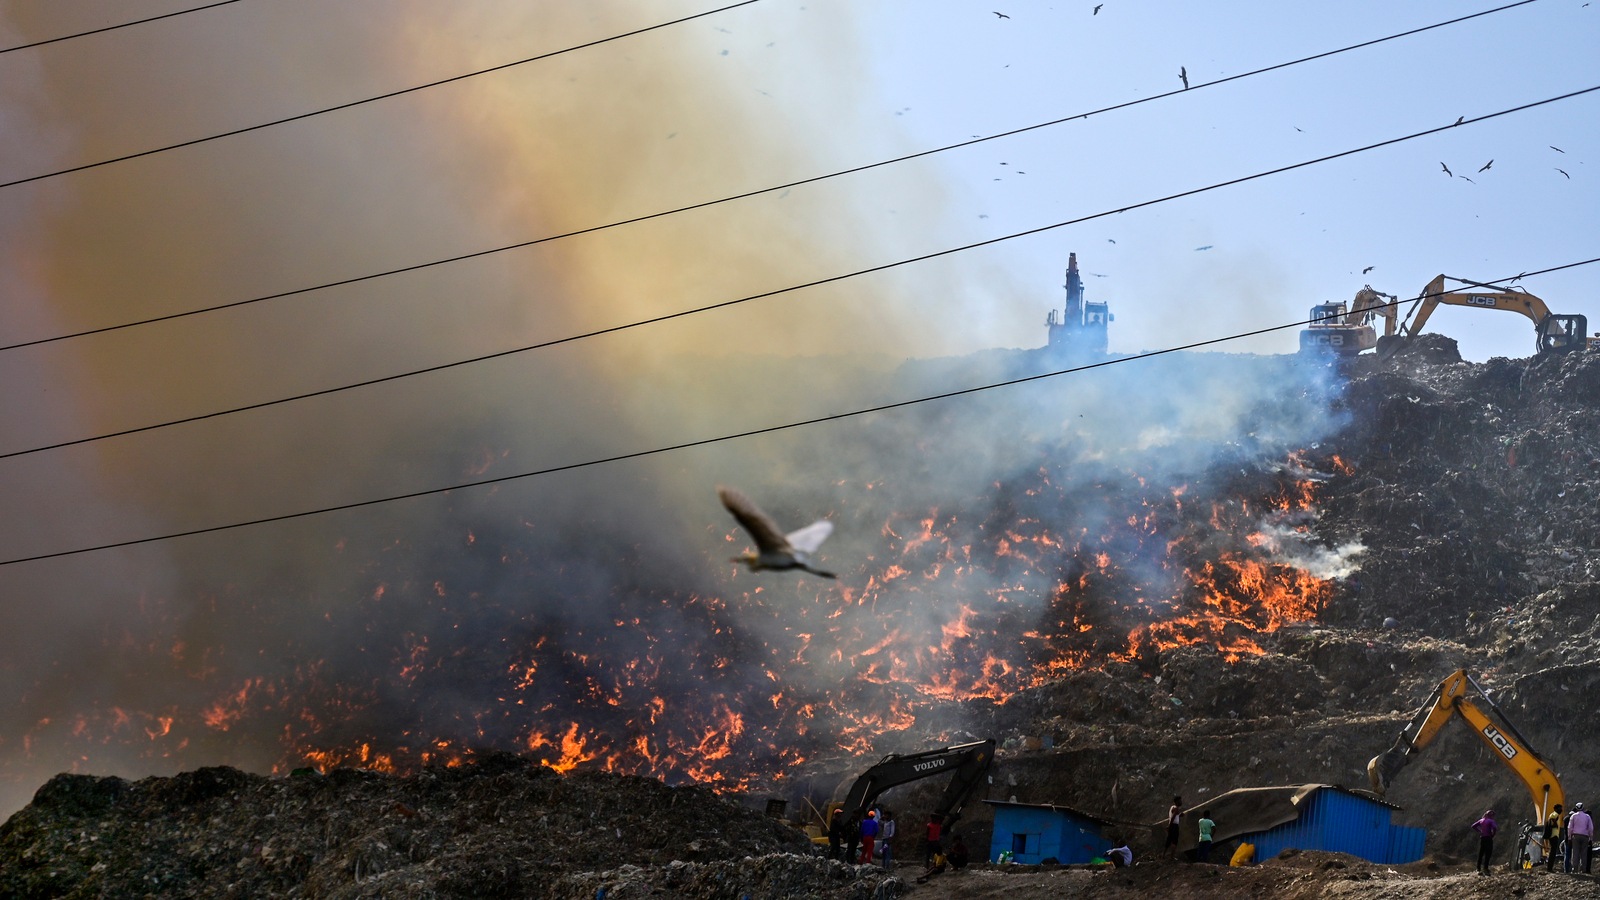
(1300, 877)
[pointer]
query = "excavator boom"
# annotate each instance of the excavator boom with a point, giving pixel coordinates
(1553, 332)
(1488, 722)
(965, 764)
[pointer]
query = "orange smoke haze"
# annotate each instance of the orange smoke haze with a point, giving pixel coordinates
(589, 617)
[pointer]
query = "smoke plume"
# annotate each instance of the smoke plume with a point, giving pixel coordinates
(589, 615)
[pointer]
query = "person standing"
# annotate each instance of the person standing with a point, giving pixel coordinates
(886, 831)
(1486, 828)
(930, 843)
(1206, 828)
(1174, 819)
(1554, 836)
(869, 836)
(1580, 832)
(836, 834)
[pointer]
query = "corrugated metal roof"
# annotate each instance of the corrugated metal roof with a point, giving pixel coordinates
(1057, 807)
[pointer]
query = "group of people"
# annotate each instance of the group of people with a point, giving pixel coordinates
(1569, 835)
(870, 839)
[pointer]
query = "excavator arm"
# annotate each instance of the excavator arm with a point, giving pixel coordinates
(965, 764)
(1553, 332)
(1452, 699)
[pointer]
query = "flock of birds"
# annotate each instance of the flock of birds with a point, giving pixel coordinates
(1183, 76)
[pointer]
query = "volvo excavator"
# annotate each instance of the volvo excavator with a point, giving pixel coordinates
(1553, 332)
(1461, 696)
(964, 764)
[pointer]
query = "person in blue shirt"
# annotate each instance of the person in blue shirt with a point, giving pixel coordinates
(1206, 827)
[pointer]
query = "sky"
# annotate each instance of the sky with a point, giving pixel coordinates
(914, 260)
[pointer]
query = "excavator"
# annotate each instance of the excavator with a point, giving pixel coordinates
(1346, 329)
(1489, 723)
(1553, 332)
(965, 764)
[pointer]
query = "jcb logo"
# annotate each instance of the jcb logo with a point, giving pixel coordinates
(1499, 740)
(1481, 301)
(937, 763)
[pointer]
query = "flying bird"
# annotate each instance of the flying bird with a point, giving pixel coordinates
(1564, 172)
(1097, 9)
(774, 549)
(1447, 170)
(1557, 149)
(1206, 247)
(1183, 73)
(1486, 166)
(1466, 179)
(1368, 269)
(1002, 15)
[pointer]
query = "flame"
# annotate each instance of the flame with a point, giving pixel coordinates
(949, 610)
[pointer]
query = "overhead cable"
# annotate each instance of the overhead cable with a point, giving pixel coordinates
(685, 445)
(752, 193)
(797, 287)
(365, 100)
(68, 37)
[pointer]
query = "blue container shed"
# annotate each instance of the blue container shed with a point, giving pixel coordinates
(1035, 832)
(1332, 818)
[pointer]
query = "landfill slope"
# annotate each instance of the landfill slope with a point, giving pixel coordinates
(1471, 487)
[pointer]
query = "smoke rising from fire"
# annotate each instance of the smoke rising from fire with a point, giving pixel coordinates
(589, 616)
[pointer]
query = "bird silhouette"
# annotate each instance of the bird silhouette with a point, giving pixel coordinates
(1447, 170)
(1460, 119)
(1486, 166)
(1097, 9)
(1564, 172)
(774, 549)
(1368, 269)
(1466, 179)
(1002, 15)
(1557, 149)
(1183, 73)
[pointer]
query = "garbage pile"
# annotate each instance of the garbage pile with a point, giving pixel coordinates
(1474, 489)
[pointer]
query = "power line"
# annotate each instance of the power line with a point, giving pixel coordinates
(754, 432)
(410, 90)
(753, 193)
(68, 37)
(772, 293)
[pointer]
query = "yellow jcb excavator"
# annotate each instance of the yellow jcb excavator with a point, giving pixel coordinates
(1553, 332)
(1346, 330)
(1489, 723)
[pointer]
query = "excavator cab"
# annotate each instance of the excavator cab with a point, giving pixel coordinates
(1329, 331)
(1560, 333)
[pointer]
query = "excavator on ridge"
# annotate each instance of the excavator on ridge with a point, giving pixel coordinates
(1553, 332)
(1346, 329)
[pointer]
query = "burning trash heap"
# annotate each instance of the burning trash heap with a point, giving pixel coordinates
(1183, 582)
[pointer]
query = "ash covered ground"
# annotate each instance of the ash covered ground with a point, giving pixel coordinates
(1471, 489)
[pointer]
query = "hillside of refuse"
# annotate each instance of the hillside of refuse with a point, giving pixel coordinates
(1471, 491)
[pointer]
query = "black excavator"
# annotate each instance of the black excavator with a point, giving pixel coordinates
(964, 764)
